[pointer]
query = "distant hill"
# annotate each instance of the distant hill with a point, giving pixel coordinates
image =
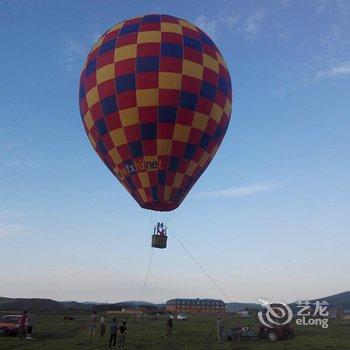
(4, 300)
(335, 299)
(234, 306)
(52, 306)
(74, 305)
(35, 304)
(139, 303)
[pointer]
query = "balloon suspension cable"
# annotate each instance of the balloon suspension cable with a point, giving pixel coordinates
(166, 217)
(150, 216)
(169, 217)
(200, 266)
(145, 281)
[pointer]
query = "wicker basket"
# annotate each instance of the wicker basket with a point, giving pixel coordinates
(159, 241)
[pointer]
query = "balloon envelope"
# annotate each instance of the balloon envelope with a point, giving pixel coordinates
(155, 100)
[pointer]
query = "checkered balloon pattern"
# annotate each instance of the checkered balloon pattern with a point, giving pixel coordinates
(155, 99)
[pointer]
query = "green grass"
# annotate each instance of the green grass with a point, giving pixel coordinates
(52, 333)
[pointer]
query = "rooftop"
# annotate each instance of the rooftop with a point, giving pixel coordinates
(197, 300)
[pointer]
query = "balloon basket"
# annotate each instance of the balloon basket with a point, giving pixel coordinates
(159, 241)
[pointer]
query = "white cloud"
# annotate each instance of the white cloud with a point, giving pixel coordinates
(285, 3)
(253, 23)
(73, 51)
(7, 225)
(13, 144)
(332, 5)
(72, 54)
(207, 25)
(17, 163)
(279, 92)
(231, 20)
(239, 191)
(342, 69)
(246, 22)
(321, 6)
(330, 56)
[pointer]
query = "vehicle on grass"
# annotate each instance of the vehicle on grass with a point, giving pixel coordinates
(69, 318)
(282, 332)
(9, 324)
(239, 333)
(182, 317)
(243, 314)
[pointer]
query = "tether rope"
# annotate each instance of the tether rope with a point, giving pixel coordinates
(145, 281)
(211, 279)
(200, 266)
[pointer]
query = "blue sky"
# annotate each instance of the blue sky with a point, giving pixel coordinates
(270, 216)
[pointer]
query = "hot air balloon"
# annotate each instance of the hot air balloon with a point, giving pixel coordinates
(155, 99)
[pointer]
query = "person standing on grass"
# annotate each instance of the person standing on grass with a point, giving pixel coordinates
(219, 329)
(22, 323)
(169, 327)
(92, 325)
(102, 326)
(113, 329)
(122, 331)
(29, 326)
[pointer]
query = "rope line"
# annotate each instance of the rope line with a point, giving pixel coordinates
(211, 279)
(145, 281)
(170, 217)
(200, 266)
(151, 217)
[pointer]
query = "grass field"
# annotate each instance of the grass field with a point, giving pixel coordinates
(52, 333)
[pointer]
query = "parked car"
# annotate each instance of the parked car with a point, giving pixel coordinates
(9, 324)
(240, 333)
(68, 318)
(243, 314)
(182, 317)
